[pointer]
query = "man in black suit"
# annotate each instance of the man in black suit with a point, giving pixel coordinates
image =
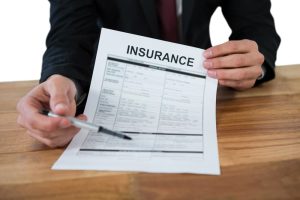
(248, 58)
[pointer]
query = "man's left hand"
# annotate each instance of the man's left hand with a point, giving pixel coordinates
(236, 64)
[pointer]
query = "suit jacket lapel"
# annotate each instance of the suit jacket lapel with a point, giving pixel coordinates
(149, 9)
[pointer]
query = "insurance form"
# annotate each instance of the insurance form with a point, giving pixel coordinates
(155, 92)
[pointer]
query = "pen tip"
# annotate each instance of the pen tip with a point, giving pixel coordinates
(44, 112)
(127, 138)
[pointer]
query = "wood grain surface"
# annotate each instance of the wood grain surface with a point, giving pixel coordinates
(259, 147)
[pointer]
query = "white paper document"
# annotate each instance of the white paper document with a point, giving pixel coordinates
(158, 94)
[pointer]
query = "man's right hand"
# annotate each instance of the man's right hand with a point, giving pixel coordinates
(58, 95)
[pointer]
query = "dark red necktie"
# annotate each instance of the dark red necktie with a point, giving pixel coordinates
(168, 19)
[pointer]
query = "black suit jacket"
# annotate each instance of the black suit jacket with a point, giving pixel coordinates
(75, 28)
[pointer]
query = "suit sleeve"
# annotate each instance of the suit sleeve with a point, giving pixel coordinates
(71, 42)
(252, 19)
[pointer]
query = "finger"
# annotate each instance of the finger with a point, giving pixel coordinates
(65, 136)
(55, 139)
(234, 61)
(61, 132)
(34, 120)
(33, 101)
(37, 136)
(238, 85)
(41, 134)
(236, 74)
(20, 121)
(82, 117)
(47, 124)
(62, 96)
(59, 101)
(31, 118)
(230, 47)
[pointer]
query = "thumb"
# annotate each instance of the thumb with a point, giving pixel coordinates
(62, 95)
(59, 102)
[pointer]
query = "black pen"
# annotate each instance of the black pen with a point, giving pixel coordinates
(87, 125)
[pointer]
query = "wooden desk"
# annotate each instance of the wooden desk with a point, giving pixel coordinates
(259, 145)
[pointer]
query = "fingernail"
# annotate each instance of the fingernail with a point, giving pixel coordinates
(64, 124)
(207, 53)
(82, 117)
(60, 106)
(212, 73)
(207, 64)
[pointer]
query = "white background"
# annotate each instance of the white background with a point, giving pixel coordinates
(24, 26)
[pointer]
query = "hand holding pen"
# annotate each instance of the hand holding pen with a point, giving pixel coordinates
(87, 125)
(57, 94)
